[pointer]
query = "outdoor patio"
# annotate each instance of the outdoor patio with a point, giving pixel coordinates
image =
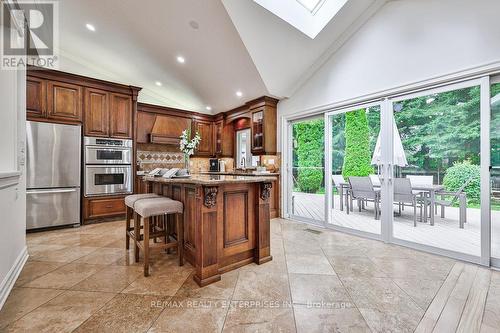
(445, 233)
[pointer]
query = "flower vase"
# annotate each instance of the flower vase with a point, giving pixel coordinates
(186, 162)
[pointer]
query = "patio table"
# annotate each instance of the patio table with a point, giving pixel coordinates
(431, 189)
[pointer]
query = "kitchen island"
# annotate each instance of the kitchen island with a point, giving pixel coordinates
(226, 220)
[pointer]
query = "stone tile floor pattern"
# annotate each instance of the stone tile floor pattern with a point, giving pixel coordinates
(83, 280)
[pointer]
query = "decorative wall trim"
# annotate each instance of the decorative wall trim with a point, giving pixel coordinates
(9, 281)
(159, 157)
(8, 179)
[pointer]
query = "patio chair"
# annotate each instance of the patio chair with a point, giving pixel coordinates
(403, 194)
(375, 180)
(458, 195)
(361, 189)
(338, 180)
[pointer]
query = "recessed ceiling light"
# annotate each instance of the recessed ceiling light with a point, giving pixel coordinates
(180, 59)
(193, 24)
(158, 83)
(90, 27)
(239, 93)
(209, 108)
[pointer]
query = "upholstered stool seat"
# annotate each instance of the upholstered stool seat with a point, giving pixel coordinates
(159, 208)
(132, 231)
(130, 200)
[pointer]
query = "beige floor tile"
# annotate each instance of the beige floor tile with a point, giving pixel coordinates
(124, 313)
(65, 277)
(223, 289)
(411, 268)
(66, 254)
(259, 286)
(380, 320)
(309, 288)
(244, 318)
(308, 264)
(316, 320)
(102, 256)
(355, 267)
(110, 279)
(422, 291)
(191, 315)
(164, 281)
(62, 314)
(35, 269)
(23, 300)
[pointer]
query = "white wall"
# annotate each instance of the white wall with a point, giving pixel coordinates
(12, 198)
(405, 42)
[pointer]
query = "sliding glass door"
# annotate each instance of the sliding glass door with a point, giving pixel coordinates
(495, 171)
(353, 170)
(437, 169)
(306, 197)
(413, 169)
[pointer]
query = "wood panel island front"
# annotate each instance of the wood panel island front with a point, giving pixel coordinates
(226, 220)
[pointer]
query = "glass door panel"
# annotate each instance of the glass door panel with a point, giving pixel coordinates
(495, 170)
(307, 198)
(436, 182)
(355, 169)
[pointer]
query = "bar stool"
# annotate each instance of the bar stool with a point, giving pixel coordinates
(130, 231)
(157, 207)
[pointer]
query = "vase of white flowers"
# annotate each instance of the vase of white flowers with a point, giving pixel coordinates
(188, 145)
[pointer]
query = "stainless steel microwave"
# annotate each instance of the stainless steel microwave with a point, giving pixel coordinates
(107, 151)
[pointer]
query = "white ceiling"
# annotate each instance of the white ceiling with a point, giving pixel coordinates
(239, 46)
(284, 56)
(137, 42)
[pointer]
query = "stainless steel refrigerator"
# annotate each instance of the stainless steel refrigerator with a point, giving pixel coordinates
(53, 174)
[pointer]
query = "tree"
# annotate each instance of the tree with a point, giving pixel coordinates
(357, 159)
(309, 153)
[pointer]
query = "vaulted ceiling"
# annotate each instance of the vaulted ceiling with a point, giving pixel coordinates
(228, 46)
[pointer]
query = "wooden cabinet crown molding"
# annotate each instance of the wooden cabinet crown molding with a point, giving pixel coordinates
(84, 81)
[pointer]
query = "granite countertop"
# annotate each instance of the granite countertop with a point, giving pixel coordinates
(239, 173)
(199, 179)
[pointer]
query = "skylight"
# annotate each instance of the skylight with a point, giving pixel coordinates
(308, 16)
(311, 5)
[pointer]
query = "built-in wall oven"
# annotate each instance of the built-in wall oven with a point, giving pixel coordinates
(108, 166)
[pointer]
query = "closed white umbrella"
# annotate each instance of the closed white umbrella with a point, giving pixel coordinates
(399, 152)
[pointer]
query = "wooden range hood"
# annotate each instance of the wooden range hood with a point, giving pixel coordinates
(167, 130)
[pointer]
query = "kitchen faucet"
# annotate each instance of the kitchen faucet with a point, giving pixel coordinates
(243, 163)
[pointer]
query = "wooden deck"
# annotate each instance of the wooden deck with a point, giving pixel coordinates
(445, 234)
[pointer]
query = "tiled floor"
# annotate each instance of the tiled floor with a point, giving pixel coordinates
(79, 280)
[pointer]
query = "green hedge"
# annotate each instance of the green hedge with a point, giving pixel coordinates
(309, 152)
(357, 159)
(458, 174)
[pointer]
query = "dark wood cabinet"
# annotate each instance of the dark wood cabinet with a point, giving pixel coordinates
(96, 117)
(120, 116)
(103, 207)
(64, 101)
(218, 137)
(205, 129)
(263, 125)
(145, 123)
(36, 97)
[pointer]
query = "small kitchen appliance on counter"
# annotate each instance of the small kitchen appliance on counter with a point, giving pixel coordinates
(214, 165)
